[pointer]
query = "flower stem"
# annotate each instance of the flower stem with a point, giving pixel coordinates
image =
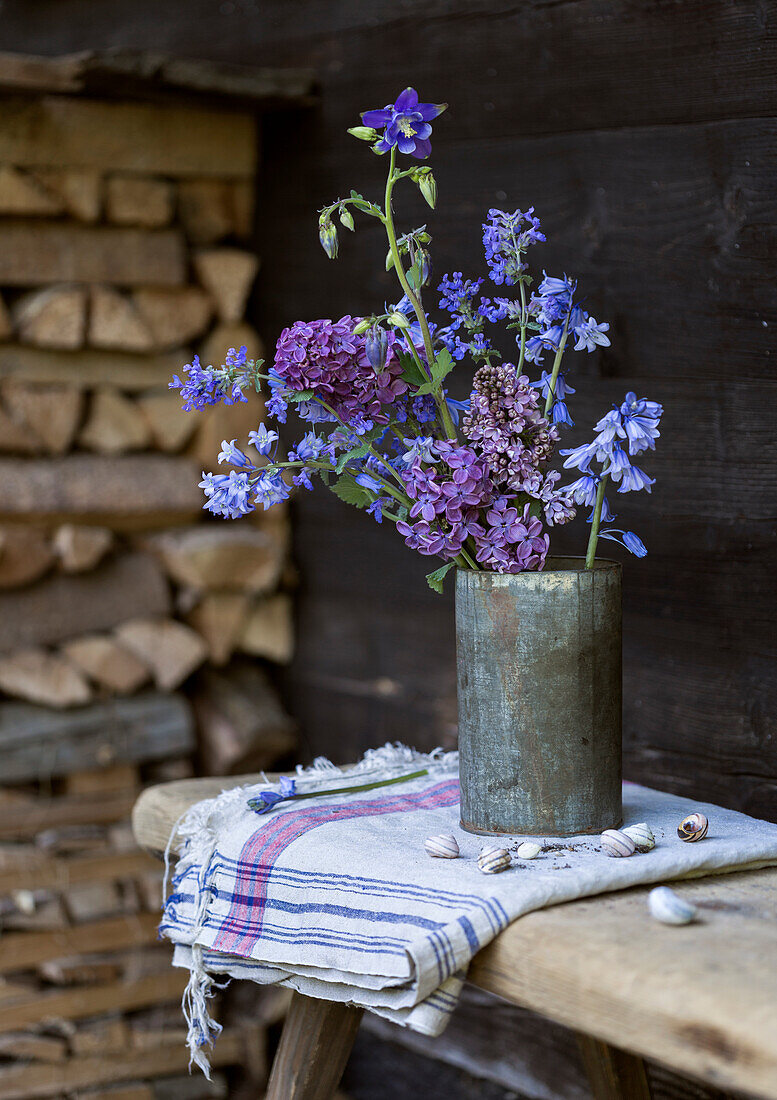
(596, 519)
(413, 298)
(556, 366)
(255, 803)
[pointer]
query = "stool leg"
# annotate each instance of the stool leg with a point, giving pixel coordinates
(613, 1074)
(314, 1048)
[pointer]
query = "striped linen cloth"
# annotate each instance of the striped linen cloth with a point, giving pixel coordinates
(335, 896)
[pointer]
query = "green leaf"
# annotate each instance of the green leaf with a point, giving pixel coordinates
(435, 579)
(411, 372)
(441, 368)
(413, 275)
(350, 456)
(347, 489)
(299, 395)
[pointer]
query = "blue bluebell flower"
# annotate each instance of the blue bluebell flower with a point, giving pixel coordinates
(590, 334)
(561, 388)
(583, 491)
(457, 408)
(368, 482)
(233, 455)
(627, 539)
(580, 457)
(405, 124)
(559, 414)
(228, 494)
(288, 786)
(263, 439)
(633, 480)
(422, 447)
(308, 449)
(270, 488)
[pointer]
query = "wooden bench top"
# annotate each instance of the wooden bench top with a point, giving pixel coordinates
(701, 999)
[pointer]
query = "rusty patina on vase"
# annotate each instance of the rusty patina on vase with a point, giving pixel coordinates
(539, 685)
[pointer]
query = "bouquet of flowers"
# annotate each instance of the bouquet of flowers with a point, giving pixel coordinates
(468, 482)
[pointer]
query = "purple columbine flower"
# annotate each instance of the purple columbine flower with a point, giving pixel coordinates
(405, 124)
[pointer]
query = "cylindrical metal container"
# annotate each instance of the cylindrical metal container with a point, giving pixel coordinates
(539, 685)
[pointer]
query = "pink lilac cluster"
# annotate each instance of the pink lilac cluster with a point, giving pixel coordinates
(326, 358)
(505, 425)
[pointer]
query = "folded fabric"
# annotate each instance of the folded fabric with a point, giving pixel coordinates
(335, 896)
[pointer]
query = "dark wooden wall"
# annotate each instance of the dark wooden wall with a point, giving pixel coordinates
(645, 132)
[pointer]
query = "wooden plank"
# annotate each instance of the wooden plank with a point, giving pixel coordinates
(62, 607)
(123, 492)
(34, 252)
(77, 1004)
(126, 137)
(61, 874)
(37, 742)
(315, 1045)
(22, 950)
(90, 368)
(614, 1074)
(80, 1073)
(24, 818)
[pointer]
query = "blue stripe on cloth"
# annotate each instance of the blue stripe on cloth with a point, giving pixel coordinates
(470, 933)
(331, 910)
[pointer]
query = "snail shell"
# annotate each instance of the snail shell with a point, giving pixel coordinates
(616, 843)
(443, 846)
(642, 835)
(528, 850)
(492, 860)
(693, 827)
(668, 907)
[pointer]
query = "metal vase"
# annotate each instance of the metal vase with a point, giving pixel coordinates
(539, 686)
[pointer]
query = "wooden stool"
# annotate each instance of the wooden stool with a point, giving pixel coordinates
(701, 999)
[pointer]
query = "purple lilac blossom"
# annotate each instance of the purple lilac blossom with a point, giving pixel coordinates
(405, 124)
(326, 358)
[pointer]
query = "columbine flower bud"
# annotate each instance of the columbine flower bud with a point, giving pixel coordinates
(398, 320)
(346, 218)
(364, 133)
(327, 234)
(427, 185)
(375, 347)
(424, 262)
(362, 327)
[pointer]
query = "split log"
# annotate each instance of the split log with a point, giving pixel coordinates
(80, 548)
(34, 914)
(88, 368)
(36, 743)
(26, 553)
(52, 412)
(73, 839)
(220, 619)
(58, 131)
(107, 1036)
(77, 1004)
(113, 777)
(171, 428)
(24, 822)
(42, 677)
(63, 607)
(35, 252)
(114, 322)
(23, 951)
(243, 726)
(82, 970)
(23, 195)
(77, 1074)
(78, 190)
(26, 1046)
(211, 210)
(236, 558)
(174, 315)
(228, 275)
(41, 872)
(128, 492)
(269, 630)
(95, 901)
(114, 425)
(16, 437)
(52, 318)
(107, 663)
(169, 649)
(6, 329)
(139, 200)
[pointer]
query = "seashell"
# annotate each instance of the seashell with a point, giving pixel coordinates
(642, 835)
(528, 850)
(693, 827)
(668, 907)
(492, 860)
(443, 846)
(616, 843)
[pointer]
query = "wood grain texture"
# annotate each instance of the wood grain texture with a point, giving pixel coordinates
(315, 1044)
(614, 1074)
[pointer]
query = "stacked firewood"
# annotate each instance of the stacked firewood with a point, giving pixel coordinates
(138, 636)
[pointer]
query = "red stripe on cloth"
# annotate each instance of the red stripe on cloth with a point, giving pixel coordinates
(268, 842)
